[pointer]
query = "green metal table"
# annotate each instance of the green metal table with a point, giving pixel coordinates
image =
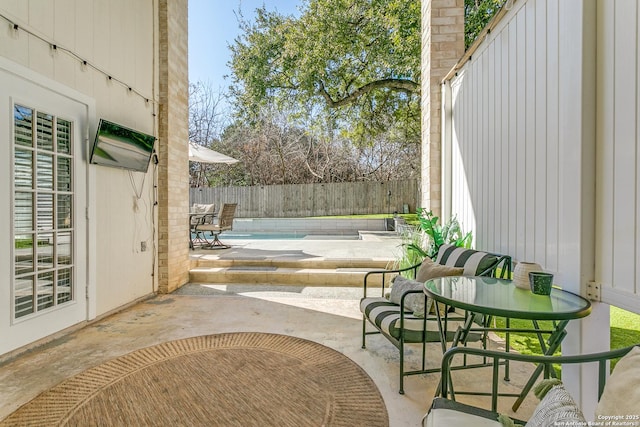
(493, 297)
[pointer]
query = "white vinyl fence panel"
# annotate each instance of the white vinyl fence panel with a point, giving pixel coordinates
(505, 146)
(544, 160)
(618, 157)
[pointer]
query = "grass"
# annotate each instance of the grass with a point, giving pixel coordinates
(410, 218)
(23, 244)
(625, 328)
(625, 331)
(28, 243)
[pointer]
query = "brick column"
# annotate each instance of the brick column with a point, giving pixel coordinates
(442, 46)
(173, 122)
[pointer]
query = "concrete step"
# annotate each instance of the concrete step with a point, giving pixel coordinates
(303, 262)
(284, 262)
(272, 275)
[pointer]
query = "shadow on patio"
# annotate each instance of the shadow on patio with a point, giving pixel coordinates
(329, 316)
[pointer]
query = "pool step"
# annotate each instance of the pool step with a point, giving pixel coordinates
(280, 276)
(288, 262)
(301, 272)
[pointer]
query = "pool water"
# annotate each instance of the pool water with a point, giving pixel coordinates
(284, 236)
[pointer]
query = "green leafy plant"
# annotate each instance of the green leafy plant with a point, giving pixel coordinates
(438, 234)
(427, 239)
(477, 14)
(411, 250)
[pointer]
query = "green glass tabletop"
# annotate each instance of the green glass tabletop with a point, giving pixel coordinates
(498, 297)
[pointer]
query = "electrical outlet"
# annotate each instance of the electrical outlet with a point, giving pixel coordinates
(143, 246)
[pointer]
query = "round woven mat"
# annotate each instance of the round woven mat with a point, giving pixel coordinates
(235, 379)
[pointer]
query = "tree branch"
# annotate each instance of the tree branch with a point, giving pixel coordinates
(400, 85)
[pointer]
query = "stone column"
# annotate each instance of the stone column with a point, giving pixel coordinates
(173, 130)
(442, 46)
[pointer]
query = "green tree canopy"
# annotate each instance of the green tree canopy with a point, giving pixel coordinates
(332, 94)
(477, 14)
(353, 64)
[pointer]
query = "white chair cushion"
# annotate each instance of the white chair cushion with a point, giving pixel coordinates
(451, 418)
(202, 208)
(621, 395)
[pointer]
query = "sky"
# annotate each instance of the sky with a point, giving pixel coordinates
(213, 26)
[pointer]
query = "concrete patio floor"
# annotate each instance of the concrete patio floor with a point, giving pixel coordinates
(327, 315)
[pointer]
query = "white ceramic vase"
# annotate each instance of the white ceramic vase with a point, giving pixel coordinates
(521, 273)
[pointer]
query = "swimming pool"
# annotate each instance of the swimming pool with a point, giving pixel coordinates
(286, 236)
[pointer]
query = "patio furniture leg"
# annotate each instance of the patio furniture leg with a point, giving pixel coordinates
(364, 331)
(401, 391)
(554, 343)
(507, 349)
(217, 243)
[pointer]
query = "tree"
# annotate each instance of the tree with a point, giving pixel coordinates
(274, 152)
(331, 95)
(477, 14)
(207, 121)
(207, 118)
(354, 62)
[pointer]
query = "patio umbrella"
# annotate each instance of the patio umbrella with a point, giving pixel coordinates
(198, 153)
(201, 154)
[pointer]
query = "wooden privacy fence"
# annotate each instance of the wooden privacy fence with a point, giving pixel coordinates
(304, 200)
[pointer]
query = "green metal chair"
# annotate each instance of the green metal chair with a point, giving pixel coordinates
(400, 326)
(447, 400)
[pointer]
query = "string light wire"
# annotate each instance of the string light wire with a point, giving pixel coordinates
(84, 64)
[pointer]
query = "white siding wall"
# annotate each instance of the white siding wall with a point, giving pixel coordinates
(544, 159)
(509, 154)
(618, 170)
(117, 36)
(521, 143)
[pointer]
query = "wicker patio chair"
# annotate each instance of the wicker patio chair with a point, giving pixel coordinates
(214, 229)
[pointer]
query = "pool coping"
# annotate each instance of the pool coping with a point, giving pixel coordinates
(335, 226)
